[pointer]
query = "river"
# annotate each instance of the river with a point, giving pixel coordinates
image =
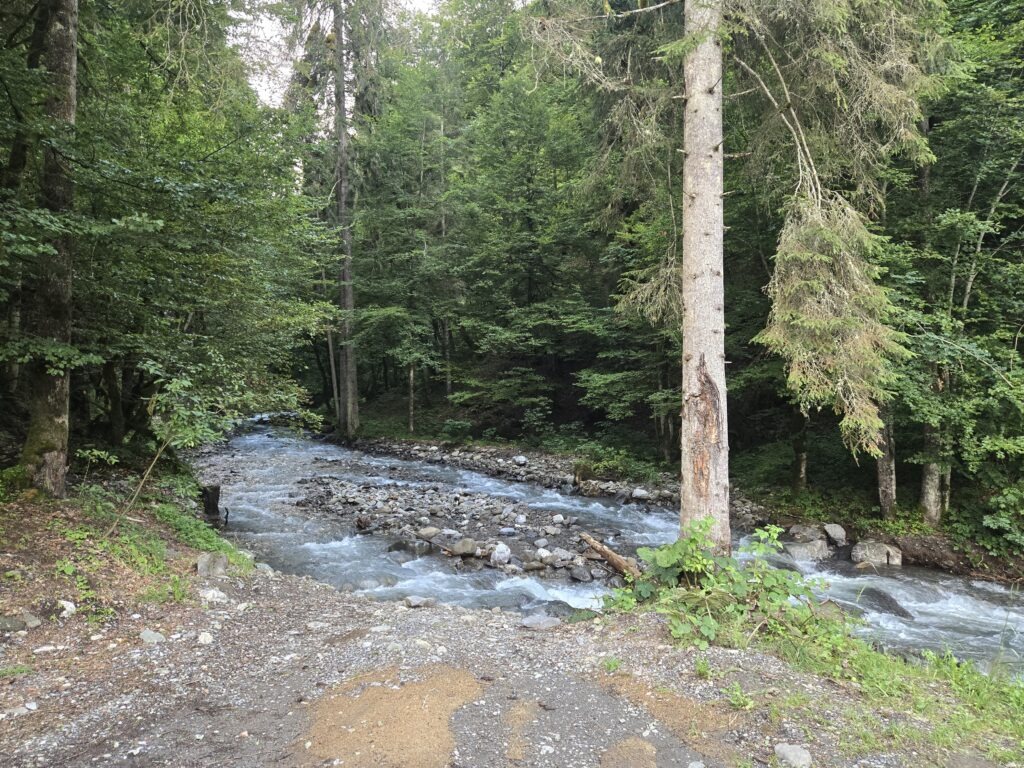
(262, 473)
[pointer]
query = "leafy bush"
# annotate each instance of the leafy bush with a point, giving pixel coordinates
(456, 429)
(713, 599)
(197, 534)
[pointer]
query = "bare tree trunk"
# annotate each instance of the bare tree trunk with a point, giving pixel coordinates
(931, 490)
(348, 422)
(800, 455)
(115, 409)
(887, 470)
(704, 440)
(48, 291)
(446, 342)
(412, 398)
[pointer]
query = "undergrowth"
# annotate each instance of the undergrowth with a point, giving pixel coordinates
(740, 602)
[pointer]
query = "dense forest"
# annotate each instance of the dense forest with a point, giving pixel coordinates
(476, 224)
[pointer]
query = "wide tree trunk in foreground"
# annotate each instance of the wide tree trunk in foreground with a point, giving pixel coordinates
(348, 378)
(704, 438)
(47, 292)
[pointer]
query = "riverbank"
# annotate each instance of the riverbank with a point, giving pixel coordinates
(931, 549)
(242, 666)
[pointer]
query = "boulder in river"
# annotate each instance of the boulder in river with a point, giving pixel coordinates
(807, 533)
(807, 550)
(501, 554)
(836, 534)
(880, 600)
(464, 547)
(876, 553)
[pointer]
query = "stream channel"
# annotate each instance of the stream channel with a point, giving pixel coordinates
(262, 473)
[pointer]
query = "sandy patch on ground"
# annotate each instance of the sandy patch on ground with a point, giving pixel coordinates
(697, 724)
(376, 722)
(521, 715)
(633, 752)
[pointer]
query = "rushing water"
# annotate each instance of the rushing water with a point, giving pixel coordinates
(261, 472)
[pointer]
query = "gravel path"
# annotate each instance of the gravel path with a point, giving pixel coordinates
(295, 673)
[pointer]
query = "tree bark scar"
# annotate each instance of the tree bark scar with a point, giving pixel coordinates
(705, 414)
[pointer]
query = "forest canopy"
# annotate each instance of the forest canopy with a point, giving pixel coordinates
(470, 224)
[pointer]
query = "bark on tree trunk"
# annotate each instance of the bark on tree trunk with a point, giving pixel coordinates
(931, 493)
(799, 466)
(348, 378)
(412, 398)
(704, 440)
(446, 340)
(48, 291)
(115, 409)
(887, 470)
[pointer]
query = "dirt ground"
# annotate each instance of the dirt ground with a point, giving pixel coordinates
(275, 670)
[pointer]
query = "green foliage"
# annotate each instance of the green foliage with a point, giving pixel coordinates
(173, 590)
(611, 664)
(738, 698)
(14, 670)
(713, 599)
(197, 534)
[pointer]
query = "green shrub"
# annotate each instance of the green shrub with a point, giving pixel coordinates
(197, 534)
(713, 599)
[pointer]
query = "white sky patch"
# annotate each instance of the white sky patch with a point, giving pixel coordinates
(265, 47)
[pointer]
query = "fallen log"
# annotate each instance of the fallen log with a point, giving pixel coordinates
(624, 565)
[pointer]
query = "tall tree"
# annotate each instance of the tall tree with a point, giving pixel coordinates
(348, 379)
(47, 292)
(705, 440)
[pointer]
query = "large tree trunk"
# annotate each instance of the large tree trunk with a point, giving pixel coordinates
(47, 292)
(704, 440)
(348, 378)
(887, 470)
(932, 476)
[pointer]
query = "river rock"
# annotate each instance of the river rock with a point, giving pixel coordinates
(640, 494)
(580, 573)
(149, 637)
(507, 531)
(212, 565)
(807, 550)
(416, 601)
(212, 596)
(884, 602)
(32, 621)
(428, 532)
(836, 534)
(464, 547)
(520, 461)
(541, 621)
(501, 555)
(792, 756)
(12, 624)
(558, 519)
(205, 638)
(806, 533)
(876, 553)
